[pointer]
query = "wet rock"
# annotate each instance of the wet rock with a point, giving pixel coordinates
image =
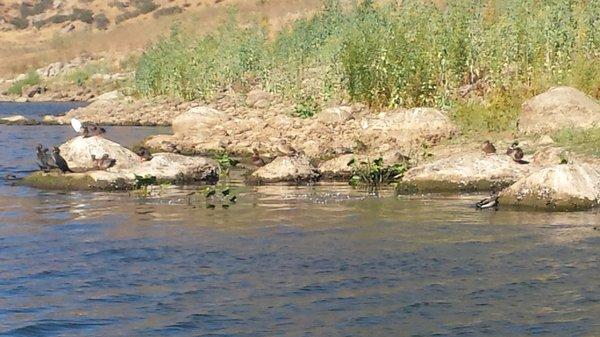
(335, 115)
(558, 187)
(78, 151)
(470, 171)
(18, 120)
(287, 170)
(559, 108)
(407, 125)
(165, 167)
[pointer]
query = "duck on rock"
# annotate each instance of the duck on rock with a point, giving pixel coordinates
(488, 147)
(516, 153)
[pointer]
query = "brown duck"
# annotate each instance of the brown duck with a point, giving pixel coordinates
(286, 149)
(488, 147)
(256, 159)
(104, 162)
(516, 153)
(144, 153)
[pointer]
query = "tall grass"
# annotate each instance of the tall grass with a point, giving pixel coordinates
(406, 53)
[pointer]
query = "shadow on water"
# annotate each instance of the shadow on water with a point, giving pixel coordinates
(324, 260)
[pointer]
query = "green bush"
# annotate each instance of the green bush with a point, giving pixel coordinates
(33, 78)
(19, 23)
(387, 55)
(101, 21)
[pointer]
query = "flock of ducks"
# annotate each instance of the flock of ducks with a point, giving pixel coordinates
(516, 154)
(48, 161)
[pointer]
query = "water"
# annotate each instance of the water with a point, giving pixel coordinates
(284, 261)
(36, 110)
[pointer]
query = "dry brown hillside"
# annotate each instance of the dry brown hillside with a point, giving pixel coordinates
(34, 33)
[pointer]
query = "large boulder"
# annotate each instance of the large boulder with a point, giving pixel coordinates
(470, 172)
(337, 168)
(558, 187)
(333, 115)
(558, 108)
(296, 169)
(79, 150)
(198, 122)
(407, 125)
(165, 167)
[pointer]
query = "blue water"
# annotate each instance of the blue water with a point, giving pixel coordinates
(36, 110)
(325, 260)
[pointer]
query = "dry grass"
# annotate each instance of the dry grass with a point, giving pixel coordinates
(49, 45)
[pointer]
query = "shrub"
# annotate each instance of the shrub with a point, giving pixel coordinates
(19, 23)
(32, 78)
(83, 15)
(101, 21)
(144, 6)
(167, 11)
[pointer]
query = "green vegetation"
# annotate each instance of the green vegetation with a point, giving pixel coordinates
(32, 78)
(479, 59)
(373, 174)
(579, 140)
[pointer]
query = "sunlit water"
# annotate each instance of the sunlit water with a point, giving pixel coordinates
(283, 261)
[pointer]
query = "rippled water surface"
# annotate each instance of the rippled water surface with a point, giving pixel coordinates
(284, 261)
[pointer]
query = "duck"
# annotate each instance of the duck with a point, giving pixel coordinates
(516, 153)
(104, 162)
(256, 159)
(489, 202)
(97, 131)
(144, 153)
(488, 147)
(59, 161)
(43, 158)
(286, 149)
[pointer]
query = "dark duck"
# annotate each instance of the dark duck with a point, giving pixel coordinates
(59, 161)
(44, 159)
(488, 147)
(489, 202)
(144, 153)
(516, 153)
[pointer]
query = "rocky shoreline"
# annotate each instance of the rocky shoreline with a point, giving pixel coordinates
(422, 138)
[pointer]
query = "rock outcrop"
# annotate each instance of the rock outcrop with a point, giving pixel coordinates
(558, 187)
(78, 151)
(285, 170)
(559, 108)
(18, 120)
(469, 172)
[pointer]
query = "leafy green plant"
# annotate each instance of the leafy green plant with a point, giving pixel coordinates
(144, 181)
(225, 162)
(307, 107)
(373, 174)
(32, 78)
(585, 141)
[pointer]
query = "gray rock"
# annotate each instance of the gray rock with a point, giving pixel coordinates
(558, 187)
(559, 108)
(285, 169)
(335, 115)
(470, 171)
(78, 151)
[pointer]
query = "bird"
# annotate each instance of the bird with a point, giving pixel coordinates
(77, 125)
(488, 147)
(516, 153)
(172, 148)
(59, 161)
(256, 159)
(104, 162)
(489, 202)
(97, 131)
(286, 149)
(225, 192)
(43, 158)
(144, 153)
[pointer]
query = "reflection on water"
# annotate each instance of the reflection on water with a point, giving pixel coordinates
(294, 261)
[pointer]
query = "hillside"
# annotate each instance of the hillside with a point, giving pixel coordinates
(37, 33)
